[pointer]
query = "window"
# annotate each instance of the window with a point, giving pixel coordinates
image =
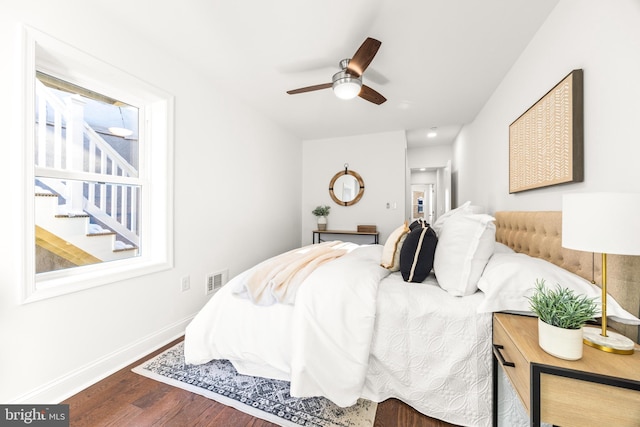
(87, 182)
(91, 132)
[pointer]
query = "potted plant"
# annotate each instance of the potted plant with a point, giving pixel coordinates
(321, 212)
(561, 316)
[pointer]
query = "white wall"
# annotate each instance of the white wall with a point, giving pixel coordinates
(232, 209)
(431, 156)
(378, 158)
(423, 177)
(603, 39)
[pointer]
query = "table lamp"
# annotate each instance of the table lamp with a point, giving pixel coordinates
(608, 223)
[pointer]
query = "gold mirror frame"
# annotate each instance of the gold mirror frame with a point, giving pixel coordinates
(358, 196)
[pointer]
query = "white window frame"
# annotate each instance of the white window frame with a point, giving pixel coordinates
(44, 53)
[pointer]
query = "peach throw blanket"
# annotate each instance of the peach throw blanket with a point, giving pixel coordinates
(277, 279)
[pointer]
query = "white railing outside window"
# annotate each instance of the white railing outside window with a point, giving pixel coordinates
(70, 144)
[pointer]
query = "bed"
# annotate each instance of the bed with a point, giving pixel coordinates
(355, 329)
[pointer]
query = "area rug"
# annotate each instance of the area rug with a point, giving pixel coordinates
(260, 397)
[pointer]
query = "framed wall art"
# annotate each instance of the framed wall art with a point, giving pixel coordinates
(546, 143)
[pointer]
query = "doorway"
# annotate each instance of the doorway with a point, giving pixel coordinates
(429, 192)
(423, 203)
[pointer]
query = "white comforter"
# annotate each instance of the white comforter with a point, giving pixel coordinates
(431, 350)
(324, 338)
(357, 331)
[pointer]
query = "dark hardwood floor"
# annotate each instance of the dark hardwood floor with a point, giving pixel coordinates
(128, 399)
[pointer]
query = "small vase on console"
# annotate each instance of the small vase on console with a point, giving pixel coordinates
(322, 223)
(321, 212)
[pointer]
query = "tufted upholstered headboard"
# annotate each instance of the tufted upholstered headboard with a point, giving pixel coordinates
(539, 234)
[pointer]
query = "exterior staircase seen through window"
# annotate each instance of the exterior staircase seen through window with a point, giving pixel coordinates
(96, 220)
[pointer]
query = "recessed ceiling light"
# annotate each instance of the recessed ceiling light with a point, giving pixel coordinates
(433, 132)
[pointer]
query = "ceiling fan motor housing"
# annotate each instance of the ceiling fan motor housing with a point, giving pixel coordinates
(345, 85)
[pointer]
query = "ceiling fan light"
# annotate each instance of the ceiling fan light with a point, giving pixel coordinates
(347, 87)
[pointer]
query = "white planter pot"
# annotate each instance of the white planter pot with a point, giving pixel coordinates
(322, 223)
(562, 343)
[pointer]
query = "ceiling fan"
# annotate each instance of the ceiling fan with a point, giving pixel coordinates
(347, 83)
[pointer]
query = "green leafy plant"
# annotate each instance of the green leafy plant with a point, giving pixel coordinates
(561, 307)
(322, 210)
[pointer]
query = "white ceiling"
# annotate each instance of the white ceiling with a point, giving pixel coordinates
(439, 62)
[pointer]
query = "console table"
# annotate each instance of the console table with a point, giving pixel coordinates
(319, 234)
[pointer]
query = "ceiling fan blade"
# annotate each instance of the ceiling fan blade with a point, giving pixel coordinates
(376, 77)
(371, 95)
(306, 65)
(310, 88)
(363, 57)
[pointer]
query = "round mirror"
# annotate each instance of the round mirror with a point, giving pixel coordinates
(346, 187)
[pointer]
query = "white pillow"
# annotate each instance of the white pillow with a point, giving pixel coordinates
(501, 248)
(465, 244)
(464, 209)
(508, 279)
(391, 251)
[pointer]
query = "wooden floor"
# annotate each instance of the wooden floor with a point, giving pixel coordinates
(128, 399)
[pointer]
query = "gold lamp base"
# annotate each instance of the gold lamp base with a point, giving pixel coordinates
(612, 343)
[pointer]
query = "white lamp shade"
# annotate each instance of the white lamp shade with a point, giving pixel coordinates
(602, 222)
(347, 88)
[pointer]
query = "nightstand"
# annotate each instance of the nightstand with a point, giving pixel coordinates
(599, 389)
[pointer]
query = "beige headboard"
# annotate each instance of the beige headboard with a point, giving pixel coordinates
(539, 234)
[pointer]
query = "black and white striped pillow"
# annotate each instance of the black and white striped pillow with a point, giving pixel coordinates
(416, 255)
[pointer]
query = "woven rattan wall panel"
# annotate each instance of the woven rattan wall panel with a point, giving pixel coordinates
(546, 142)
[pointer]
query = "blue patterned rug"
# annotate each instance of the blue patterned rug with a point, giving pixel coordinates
(260, 397)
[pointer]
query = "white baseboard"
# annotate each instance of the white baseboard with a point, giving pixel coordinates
(77, 380)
